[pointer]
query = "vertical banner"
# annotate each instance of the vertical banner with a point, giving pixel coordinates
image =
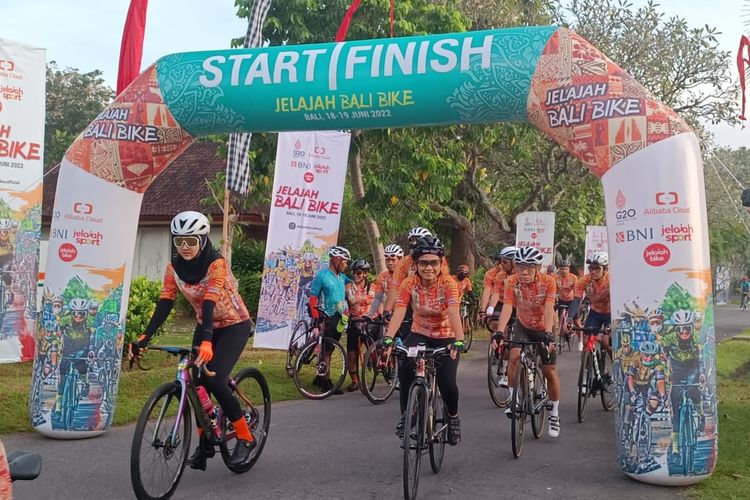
(308, 189)
(22, 101)
(537, 229)
(663, 337)
(596, 241)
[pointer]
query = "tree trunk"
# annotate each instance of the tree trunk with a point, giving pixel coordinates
(358, 190)
(462, 245)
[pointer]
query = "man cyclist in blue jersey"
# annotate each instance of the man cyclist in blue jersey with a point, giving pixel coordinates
(328, 291)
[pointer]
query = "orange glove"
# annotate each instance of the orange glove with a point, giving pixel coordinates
(205, 353)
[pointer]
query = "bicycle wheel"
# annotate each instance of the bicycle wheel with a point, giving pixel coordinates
(317, 376)
(584, 384)
(518, 407)
(160, 444)
(70, 395)
(607, 387)
(251, 390)
(468, 332)
(414, 439)
(378, 376)
(687, 439)
(500, 394)
(539, 400)
(643, 447)
(296, 343)
(439, 432)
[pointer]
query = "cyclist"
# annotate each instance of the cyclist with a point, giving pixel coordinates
(744, 292)
(596, 287)
(328, 289)
(76, 344)
(433, 296)
(533, 294)
(682, 346)
(6, 250)
(306, 275)
(384, 283)
(359, 296)
(646, 377)
(491, 301)
(464, 282)
(223, 324)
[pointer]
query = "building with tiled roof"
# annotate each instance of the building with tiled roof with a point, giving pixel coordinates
(181, 187)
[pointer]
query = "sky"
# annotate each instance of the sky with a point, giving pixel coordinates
(86, 35)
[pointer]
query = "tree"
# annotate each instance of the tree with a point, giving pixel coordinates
(73, 100)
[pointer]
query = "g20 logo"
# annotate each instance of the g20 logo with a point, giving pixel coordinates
(625, 214)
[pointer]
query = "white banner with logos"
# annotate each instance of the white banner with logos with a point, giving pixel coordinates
(537, 229)
(308, 190)
(596, 241)
(22, 101)
(661, 290)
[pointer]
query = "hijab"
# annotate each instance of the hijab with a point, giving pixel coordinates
(193, 270)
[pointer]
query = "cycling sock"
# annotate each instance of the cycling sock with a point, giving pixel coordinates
(243, 431)
(554, 411)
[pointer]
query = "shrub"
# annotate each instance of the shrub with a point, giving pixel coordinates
(247, 256)
(143, 296)
(249, 288)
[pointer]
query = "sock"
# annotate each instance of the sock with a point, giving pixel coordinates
(554, 410)
(200, 432)
(243, 431)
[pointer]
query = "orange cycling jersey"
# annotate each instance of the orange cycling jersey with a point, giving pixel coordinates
(384, 282)
(597, 292)
(566, 287)
(529, 299)
(219, 285)
(430, 305)
(406, 268)
(359, 298)
(463, 286)
(498, 284)
(489, 278)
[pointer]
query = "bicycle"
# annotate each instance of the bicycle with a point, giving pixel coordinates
(530, 398)
(320, 359)
(300, 336)
(426, 422)
(469, 306)
(563, 336)
(636, 432)
(497, 366)
(593, 377)
(72, 393)
(688, 428)
(163, 432)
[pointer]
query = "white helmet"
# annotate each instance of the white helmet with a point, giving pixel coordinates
(601, 258)
(528, 255)
(419, 232)
(337, 251)
(190, 223)
(78, 304)
(393, 250)
(508, 253)
(6, 224)
(682, 318)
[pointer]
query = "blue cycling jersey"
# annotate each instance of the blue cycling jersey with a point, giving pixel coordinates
(330, 288)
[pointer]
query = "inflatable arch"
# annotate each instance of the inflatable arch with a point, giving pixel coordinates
(647, 157)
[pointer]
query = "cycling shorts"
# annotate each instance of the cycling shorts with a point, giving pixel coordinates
(523, 334)
(597, 320)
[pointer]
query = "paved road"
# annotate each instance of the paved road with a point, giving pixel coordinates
(730, 321)
(345, 448)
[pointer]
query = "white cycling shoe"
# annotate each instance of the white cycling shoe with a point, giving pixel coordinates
(554, 426)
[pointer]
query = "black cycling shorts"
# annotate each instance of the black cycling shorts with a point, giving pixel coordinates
(523, 334)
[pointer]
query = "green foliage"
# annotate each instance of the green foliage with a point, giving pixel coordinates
(144, 294)
(675, 299)
(77, 289)
(249, 288)
(248, 255)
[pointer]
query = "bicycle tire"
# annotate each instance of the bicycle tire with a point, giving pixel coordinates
(584, 385)
(295, 346)
(258, 419)
(539, 394)
(643, 446)
(414, 437)
(172, 392)
(305, 382)
(607, 392)
(500, 395)
(371, 371)
(68, 402)
(518, 410)
(687, 437)
(439, 437)
(468, 332)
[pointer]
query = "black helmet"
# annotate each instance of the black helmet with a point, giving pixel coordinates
(360, 265)
(427, 245)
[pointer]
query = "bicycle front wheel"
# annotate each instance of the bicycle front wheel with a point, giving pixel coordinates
(518, 410)
(608, 387)
(296, 343)
(320, 369)
(585, 377)
(439, 433)
(499, 391)
(539, 401)
(414, 439)
(160, 444)
(378, 376)
(251, 390)
(468, 332)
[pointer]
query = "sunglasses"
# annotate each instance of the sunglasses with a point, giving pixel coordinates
(190, 241)
(358, 273)
(429, 263)
(594, 268)
(525, 268)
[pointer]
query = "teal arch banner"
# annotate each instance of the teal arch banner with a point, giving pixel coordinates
(649, 161)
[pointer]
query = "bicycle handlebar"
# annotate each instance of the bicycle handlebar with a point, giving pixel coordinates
(367, 321)
(181, 351)
(590, 330)
(424, 351)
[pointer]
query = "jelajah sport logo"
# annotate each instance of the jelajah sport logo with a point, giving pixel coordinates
(674, 233)
(86, 237)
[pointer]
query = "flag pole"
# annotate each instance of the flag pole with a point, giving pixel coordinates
(225, 245)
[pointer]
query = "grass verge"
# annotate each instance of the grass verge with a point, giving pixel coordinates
(732, 476)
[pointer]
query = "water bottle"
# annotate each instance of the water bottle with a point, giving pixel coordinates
(208, 407)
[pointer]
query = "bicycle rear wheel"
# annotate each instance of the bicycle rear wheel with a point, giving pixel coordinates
(607, 387)
(251, 391)
(378, 376)
(539, 400)
(500, 394)
(585, 377)
(439, 432)
(316, 375)
(414, 439)
(160, 444)
(518, 408)
(296, 343)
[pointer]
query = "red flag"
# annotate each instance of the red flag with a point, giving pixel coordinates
(131, 50)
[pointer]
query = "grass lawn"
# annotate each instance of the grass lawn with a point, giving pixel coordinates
(732, 476)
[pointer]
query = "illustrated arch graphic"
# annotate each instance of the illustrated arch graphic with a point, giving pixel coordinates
(647, 157)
